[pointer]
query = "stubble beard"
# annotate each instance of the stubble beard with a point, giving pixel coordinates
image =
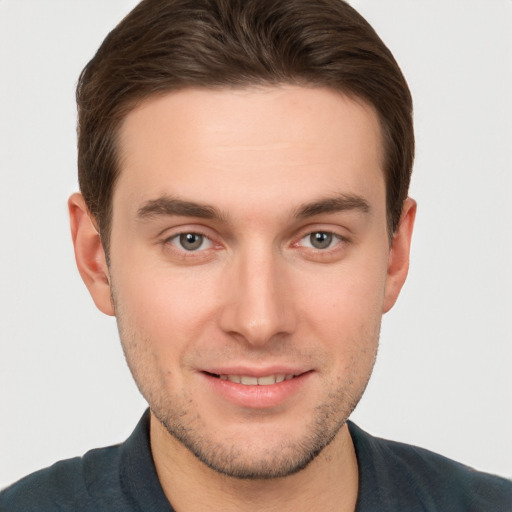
(240, 460)
(289, 456)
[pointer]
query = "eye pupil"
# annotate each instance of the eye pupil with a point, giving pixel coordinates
(321, 240)
(191, 241)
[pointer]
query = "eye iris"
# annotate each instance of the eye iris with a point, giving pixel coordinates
(191, 241)
(321, 240)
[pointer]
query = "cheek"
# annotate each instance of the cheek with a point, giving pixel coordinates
(349, 295)
(342, 310)
(164, 306)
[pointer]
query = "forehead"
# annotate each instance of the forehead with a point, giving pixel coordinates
(278, 142)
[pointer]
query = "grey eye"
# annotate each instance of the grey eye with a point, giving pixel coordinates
(320, 239)
(191, 241)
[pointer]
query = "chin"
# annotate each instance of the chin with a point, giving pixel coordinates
(253, 454)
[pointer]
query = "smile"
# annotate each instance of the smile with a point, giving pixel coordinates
(248, 380)
(257, 389)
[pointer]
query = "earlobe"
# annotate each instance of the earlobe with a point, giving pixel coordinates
(89, 254)
(398, 263)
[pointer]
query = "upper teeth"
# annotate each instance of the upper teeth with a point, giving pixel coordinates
(267, 380)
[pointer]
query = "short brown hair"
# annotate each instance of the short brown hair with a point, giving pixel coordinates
(166, 45)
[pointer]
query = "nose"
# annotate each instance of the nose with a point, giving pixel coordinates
(258, 305)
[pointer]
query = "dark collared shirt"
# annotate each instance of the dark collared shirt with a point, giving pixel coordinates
(392, 477)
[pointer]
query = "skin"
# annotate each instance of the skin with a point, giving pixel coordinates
(258, 175)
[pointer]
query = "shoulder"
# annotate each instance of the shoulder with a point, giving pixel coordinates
(397, 471)
(447, 481)
(78, 484)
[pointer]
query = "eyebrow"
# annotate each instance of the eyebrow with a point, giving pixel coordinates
(340, 203)
(169, 206)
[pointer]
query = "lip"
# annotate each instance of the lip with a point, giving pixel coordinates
(253, 371)
(256, 396)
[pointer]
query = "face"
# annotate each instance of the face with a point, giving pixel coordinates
(250, 267)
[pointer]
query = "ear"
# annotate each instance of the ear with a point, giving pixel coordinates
(89, 254)
(398, 263)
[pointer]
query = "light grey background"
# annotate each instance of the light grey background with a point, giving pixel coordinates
(443, 378)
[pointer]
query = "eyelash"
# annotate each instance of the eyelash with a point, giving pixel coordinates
(178, 238)
(171, 245)
(331, 236)
(335, 239)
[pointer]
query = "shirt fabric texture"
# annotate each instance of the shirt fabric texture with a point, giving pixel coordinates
(392, 477)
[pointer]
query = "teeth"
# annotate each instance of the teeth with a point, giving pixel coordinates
(247, 380)
(266, 381)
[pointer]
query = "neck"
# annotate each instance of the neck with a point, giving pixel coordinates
(329, 482)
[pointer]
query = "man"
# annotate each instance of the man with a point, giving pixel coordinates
(244, 169)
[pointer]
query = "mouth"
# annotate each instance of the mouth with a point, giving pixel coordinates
(257, 389)
(249, 380)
